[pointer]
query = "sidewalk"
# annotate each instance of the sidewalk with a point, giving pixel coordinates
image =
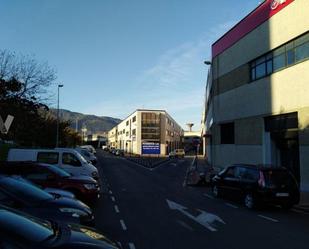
(304, 203)
(198, 172)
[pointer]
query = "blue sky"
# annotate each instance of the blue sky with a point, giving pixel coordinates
(115, 56)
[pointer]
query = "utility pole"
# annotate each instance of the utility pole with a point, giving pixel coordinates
(57, 134)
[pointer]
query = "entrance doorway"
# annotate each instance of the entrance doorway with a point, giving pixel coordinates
(284, 142)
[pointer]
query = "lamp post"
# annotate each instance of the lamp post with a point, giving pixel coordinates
(57, 134)
(84, 131)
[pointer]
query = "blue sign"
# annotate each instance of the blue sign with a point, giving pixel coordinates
(151, 148)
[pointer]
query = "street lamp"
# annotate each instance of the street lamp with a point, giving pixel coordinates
(84, 131)
(57, 135)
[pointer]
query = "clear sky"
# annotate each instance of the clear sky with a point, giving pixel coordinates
(115, 56)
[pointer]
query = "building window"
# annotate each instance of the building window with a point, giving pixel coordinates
(127, 123)
(127, 133)
(284, 56)
(261, 67)
(133, 132)
(227, 132)
(151, 126)
(134, 119)
(123, 131)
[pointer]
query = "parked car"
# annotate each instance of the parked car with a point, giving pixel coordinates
(33, 200)
(87, 155)
(257, 184)
(90, 148)
(53, 191)
(177, 153)
(23, 231)
(50, 176)
(68, 159)
(119, 152)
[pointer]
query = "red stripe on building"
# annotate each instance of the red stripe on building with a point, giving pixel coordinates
(249, 23)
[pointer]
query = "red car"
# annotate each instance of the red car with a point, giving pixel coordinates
(84, 187)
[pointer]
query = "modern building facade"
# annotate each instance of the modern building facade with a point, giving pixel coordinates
(257, 93)
(146, 132)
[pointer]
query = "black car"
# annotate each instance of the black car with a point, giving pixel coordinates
(22, 231)
(33, 200)
(257, 184)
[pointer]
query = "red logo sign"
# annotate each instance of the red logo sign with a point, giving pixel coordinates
(275, 3)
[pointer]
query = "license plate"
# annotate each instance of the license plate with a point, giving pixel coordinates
(282, 194)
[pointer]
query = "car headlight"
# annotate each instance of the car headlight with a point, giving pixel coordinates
(74, 212)
(94, 174)
(90, 186)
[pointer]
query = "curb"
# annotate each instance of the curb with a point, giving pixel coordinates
(149, 165)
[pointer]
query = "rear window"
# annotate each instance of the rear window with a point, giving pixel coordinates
(48, 157)
(277, 177)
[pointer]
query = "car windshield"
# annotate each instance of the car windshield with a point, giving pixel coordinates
(85, 153)
(23, 227)
(79, 156)
(58, 171)
(22, 190)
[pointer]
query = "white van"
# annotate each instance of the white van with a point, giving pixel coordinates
(68, 159)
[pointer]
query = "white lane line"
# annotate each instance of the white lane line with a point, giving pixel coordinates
(299, 211)
(268, 218)
(116, 209)
(110, 192)
(230, 205)
(132, 246)
(209, 196)
(123, 225)
(113, 198)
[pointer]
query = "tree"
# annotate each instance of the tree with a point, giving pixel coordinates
(23, 87)
(33, 77)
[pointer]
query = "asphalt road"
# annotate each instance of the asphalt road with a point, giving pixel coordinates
(151, 209)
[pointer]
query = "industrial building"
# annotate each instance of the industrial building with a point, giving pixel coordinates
(146, 132)
(257, 93)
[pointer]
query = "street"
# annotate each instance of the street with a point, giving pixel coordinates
(152, 209)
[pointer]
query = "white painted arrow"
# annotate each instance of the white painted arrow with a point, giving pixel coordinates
(4, 127)
(205, 219)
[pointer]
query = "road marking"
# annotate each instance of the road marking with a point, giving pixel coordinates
(113, 198)
(132, 246)
(116, 209)
(119, 244)
(204, 218)
(110, 192)
(268, 218)
(209, 196)
(123, 225)
(298, 211)
(230, 205)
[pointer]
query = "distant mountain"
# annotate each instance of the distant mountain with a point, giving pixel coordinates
(94, 124)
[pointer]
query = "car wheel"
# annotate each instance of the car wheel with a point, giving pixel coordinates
(215, 191)
(249, 201)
